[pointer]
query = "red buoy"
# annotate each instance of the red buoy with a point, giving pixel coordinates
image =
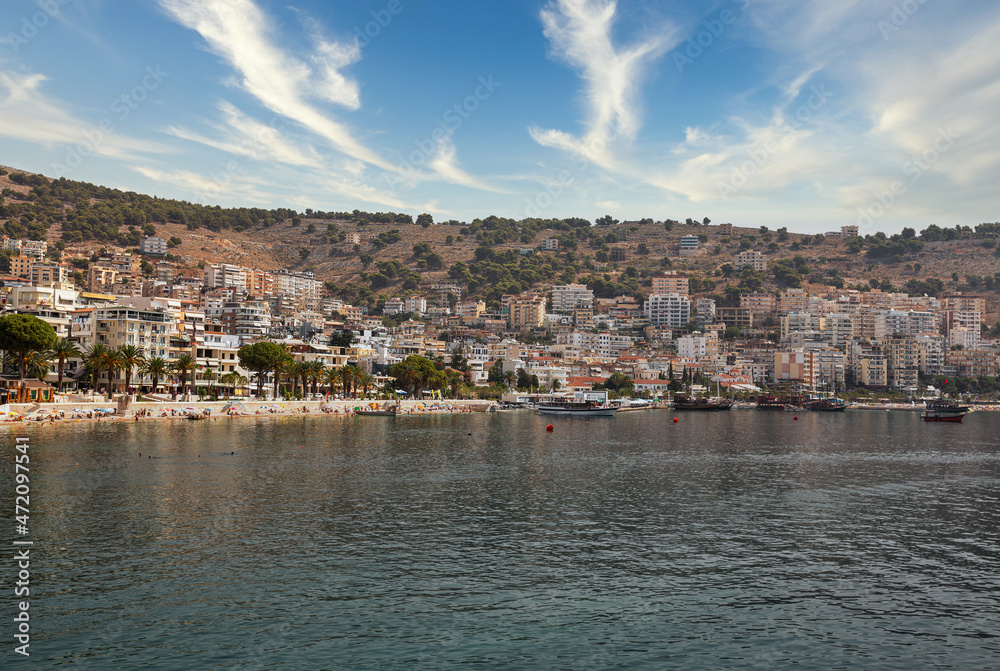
(796, 418)
(550, 428)
(676, 420)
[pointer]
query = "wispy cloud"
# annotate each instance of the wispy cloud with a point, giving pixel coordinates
(28, 114)
(237, 30)
(580, 33)
(445, 164)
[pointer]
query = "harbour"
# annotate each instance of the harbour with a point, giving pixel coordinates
(727, 540)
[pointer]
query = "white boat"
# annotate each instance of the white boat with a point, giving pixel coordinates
(581, 404)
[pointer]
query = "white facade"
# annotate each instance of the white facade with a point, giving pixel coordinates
(153, 246)
(671, 310)
(567, 297)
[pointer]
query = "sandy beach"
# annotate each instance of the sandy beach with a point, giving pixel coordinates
(106, 411)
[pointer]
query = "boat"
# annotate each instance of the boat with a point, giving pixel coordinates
(685, 402)
(788, 402)
(944, 410)
(376, 411)
(581, 404)
(826, 404)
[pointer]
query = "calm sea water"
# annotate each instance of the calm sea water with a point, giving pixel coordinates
(866, 540)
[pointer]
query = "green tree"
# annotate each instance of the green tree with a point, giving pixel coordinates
(62, 350)
(131, 358)
(21, 334)
(184, 366)
(156, 368)
(260, 358)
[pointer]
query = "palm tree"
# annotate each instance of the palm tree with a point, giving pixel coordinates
(367, 381)
(278, 366)
(112, 363)
(331, 376)
(315, 374)
(349, 378)
(155, 368)
(185, 365)
(38, 363)
(95, 359)
(210, 376)
(131, 358)
(509, 377)
(62, 350)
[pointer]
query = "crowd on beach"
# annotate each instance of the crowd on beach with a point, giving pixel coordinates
(160, 411)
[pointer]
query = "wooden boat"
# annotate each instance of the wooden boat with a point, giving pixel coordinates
(685, 402)
(944, 411)
(826, 405)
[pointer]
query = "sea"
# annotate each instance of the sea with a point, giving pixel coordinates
(732, 540)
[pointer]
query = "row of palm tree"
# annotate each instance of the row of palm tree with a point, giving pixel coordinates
(130, 360)
(312, 375)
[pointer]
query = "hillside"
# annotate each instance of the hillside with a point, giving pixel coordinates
(485, 255)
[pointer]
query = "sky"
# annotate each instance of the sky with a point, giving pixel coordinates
(806, 114)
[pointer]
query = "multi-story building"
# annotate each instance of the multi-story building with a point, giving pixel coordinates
(889, 323)
(704, 312)
(902, 355)
(36, 249)
(469, 312)
(741, 318)
(971, 363)
(550, 245)
(760, 304)
(673, 310)
(20, 265)
(792, 300)
(839, 330)
(688, 245)
(394, 306)
(751, 258)
(250, 320)
(416, 305)
(931, 348)
(697, 345)
(47, 274)
(671, 283)
(525, 311)
(302, 287)
(568, 297)
(153, 246)
(260, 283)
(225, 276)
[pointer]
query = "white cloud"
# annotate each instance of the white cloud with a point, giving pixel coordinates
(243, 136)
(28, 114)
(445, 164)
(580, 33)
(237, 30)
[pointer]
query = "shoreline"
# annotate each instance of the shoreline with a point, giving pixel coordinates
(106, 411)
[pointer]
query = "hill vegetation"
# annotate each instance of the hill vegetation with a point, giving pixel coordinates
(365, 257)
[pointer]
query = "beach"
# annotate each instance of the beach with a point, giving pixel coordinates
(105, 411)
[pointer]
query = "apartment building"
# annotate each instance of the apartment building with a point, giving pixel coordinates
(568, 297)
(673, 310)
(751, 258)
(671, 283)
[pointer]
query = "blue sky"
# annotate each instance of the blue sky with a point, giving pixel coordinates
(795, 113)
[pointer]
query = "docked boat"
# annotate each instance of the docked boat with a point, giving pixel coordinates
(944, 411)
(786, 402)
(826, 404)
(584, 404)
(685, 402)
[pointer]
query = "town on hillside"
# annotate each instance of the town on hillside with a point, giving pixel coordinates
(554, 337)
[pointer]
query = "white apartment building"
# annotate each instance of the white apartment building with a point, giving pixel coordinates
(226, 276)
(697, 345)
(416, 305)
(153, 246)
(673, 310)
(568, 297)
